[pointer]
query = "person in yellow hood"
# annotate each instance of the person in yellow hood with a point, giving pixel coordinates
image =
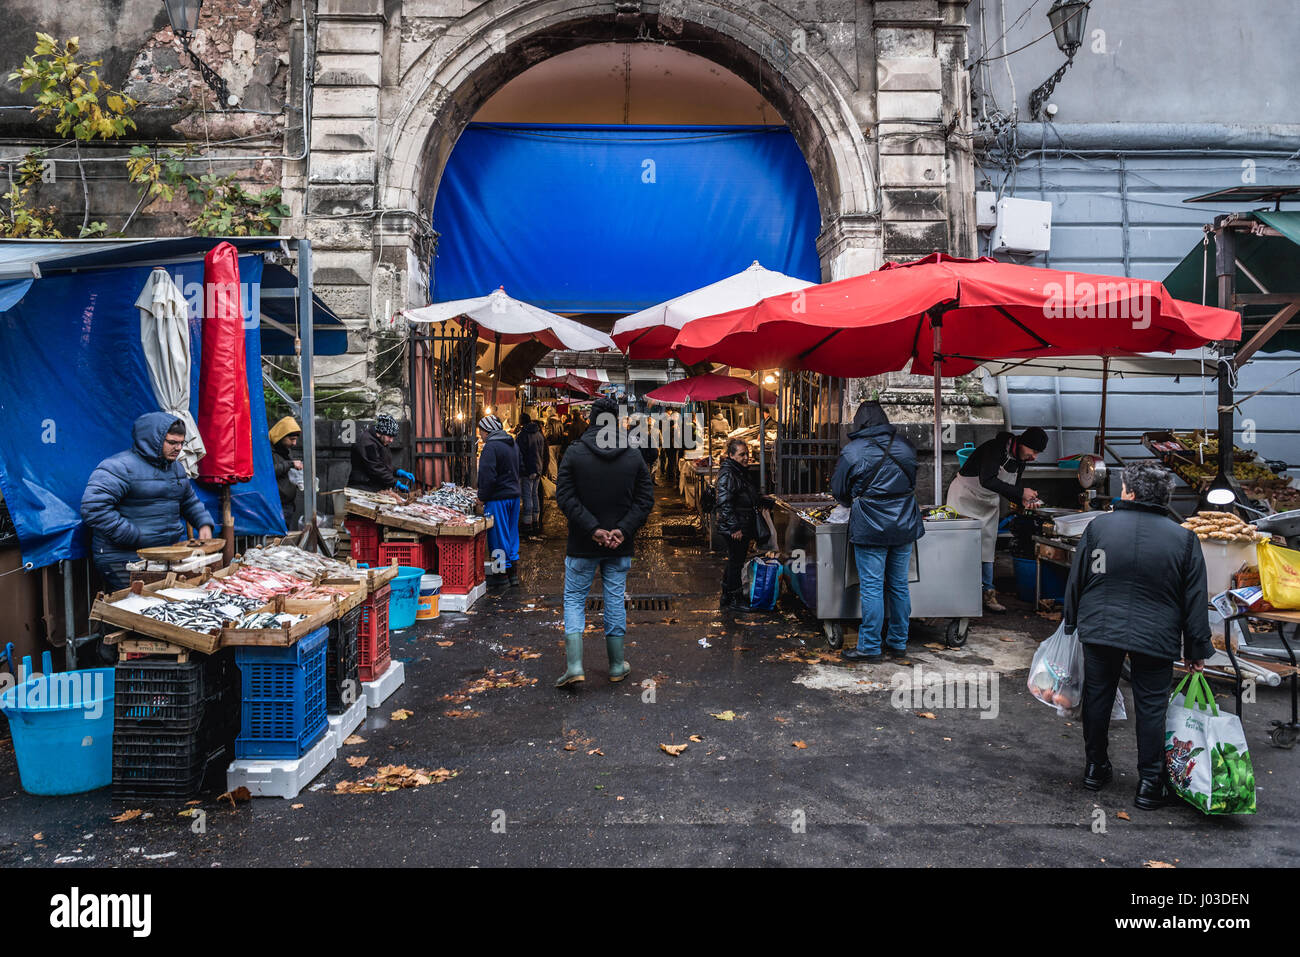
(285, 437)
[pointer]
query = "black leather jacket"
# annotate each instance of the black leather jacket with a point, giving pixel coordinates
(737, 497)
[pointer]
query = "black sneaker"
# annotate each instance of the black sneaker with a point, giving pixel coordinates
(852, 654)
(895, 652)
(1097, 776)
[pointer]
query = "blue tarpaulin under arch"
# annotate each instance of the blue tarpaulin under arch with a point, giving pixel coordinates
(611, 219)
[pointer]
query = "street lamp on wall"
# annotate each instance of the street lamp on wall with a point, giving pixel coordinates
(1069, 19)
(184, 17)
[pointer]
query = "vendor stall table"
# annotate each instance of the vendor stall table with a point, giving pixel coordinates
(1284, 733)
(943, 578)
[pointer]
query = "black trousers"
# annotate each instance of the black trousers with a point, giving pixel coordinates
(736, 552)
(1152, 678)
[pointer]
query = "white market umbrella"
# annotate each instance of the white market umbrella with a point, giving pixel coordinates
(511, 321)
(165, 335)
(649, 334)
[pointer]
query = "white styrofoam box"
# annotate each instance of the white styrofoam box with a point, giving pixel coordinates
(341, 725)
(377, 691)
(986, 209)
(280, 777)
(461, 602)
(1223, 559)
(1023, 225)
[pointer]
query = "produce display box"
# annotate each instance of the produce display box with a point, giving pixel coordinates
(360, 509)
(480, 524)
(365, 538)
(319, 614)
(372, 636)
(356, 587)
(341, 663)
(165, 695)
(410, 554)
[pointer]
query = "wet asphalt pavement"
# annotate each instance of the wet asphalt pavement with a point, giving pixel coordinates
(817, 767)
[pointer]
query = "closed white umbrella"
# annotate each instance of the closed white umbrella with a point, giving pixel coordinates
(649, 334)
(165, 335)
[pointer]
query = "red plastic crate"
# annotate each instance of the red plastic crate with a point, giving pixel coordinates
(480, 557)
(406, 553)
(430, 545)
(457, 557)
(372, 636)
(365, 538)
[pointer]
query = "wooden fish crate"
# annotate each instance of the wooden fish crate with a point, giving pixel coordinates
(319, 614)
(481, 523)
(103, 610)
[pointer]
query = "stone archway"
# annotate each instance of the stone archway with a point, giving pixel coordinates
(442, 89)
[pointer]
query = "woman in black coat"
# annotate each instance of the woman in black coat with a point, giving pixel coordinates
(1137, 588)
(738, 502)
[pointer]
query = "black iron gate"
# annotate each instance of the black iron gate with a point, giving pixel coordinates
(808, 434)
(442, 360)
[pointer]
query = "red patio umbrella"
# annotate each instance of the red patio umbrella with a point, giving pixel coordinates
(948, 315)
(709, 388)
(574, 383)
(866, 325)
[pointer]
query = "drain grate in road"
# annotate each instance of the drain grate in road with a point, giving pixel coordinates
(680, 530)
(636, 603)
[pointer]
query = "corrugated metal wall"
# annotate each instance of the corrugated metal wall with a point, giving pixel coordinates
(1125, 216)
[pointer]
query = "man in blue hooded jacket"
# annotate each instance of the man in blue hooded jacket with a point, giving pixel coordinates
(876, 478)
(141, 498)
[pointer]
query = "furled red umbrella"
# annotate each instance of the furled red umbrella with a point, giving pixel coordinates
(224, 421)
(709, 388)
(947, 315)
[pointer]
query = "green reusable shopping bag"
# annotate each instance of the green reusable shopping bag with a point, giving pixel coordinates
(1205, 752)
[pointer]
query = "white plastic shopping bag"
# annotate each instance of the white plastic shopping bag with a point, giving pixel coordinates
(1206, 756)
(1056, 673)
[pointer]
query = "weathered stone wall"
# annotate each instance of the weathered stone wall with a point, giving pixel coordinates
(876, 94)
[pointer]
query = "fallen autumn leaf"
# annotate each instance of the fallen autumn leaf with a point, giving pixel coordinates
(673, 749)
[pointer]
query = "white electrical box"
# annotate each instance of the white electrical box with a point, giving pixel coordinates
(1023, 226)
(986, 209)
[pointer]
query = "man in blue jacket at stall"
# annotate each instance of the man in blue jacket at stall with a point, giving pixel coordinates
(141, 498)
(498, 490)
(876, 478)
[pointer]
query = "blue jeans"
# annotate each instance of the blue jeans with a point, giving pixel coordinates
(530, 487)
(578, 575)
(883, 572)
(988, 575)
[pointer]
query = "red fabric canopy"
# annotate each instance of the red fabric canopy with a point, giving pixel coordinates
(570, 381)
(709, 388)
(867, 325)
(224, 420)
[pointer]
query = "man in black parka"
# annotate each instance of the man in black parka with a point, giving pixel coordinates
(605, 491)
(1138, 588)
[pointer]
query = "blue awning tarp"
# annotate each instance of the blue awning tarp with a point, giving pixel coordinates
(611, 219)
(330, 336)
(75, 378)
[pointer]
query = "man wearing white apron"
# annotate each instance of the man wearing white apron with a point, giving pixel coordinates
(995, 469)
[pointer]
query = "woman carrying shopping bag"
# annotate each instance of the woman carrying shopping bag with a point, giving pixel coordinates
(1137, 588)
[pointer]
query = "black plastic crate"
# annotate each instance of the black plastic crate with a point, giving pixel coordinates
(161, 694)
(149, 763)
(341, 662)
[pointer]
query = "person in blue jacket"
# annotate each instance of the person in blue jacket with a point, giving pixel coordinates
(498, 490)
(876, 478)
(141, 498)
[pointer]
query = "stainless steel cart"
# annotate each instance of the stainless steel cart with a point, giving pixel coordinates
(944, 576)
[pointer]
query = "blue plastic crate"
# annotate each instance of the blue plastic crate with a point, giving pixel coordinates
(282, 697)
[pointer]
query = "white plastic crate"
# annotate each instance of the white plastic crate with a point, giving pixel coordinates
(281, 777)
(381, 688)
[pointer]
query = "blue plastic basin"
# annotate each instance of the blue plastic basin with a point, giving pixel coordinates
(404, 597)
(62, 726)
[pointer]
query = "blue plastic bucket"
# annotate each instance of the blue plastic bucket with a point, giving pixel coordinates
(62, 726)
(964, 453)
(404, 597)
